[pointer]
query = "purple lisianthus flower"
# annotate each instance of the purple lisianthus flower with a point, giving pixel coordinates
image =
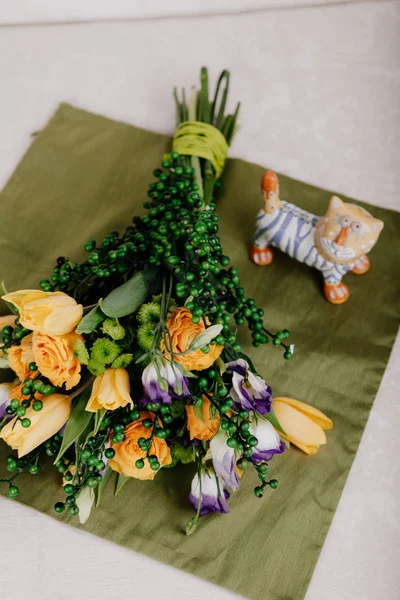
(163, 380)
(269, 442)
(212, 496)
(224, 460)
(248, 391)
(5, 389)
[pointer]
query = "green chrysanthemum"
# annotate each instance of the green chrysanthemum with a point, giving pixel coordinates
(104, 351)
(145, 335)
(149, 312)
(114, 329)
(80, 352)
(96, 367)
(122, 361)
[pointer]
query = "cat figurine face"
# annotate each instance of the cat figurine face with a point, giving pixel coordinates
(346, 232)
(334, 244)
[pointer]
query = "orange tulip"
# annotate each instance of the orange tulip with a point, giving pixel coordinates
(304, 425)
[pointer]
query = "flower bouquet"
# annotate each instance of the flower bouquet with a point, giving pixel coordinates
(129, 362)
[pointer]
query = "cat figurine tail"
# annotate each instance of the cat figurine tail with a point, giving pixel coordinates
(335, 243)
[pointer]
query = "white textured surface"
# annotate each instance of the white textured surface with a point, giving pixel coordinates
(320, 89)
(48, 11)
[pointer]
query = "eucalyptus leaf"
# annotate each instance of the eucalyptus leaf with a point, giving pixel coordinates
(102, 484)
(4, 363)
(125, 299)
(77, 423)
(91, 321)
(203, 339)
(85, 502)
(273, 419)
(121, 481)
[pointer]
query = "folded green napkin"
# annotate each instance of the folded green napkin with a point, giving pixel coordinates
(86, 175)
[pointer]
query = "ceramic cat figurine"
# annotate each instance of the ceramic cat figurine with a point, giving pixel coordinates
(334, 244)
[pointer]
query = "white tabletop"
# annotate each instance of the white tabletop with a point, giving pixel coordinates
(320, 88)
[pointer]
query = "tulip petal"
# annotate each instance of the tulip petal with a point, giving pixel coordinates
(16, 298)
(299, 426)
(313, 413)
(307, 449)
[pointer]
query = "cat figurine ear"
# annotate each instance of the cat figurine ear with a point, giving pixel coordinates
(336, 243)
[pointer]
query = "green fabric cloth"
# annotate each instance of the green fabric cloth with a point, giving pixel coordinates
(85, 176)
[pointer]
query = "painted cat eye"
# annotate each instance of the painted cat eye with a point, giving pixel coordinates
(345, 221)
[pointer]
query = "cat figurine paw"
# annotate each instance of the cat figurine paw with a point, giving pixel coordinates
(335, 243)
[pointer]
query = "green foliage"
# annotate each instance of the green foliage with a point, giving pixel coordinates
(126, 299)
(122, 361)
(96, 368)
(91, 321)
(145, 335)
(77, 423)
(104, 351)
(113, 328)
(149, 312)
(80, 352)
(177, 408)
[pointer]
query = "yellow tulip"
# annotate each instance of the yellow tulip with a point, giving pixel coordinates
(52, 313)
(7, 320)
(44, 424)
(304, 425)
(110, 391)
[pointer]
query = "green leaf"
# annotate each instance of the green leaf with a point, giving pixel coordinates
(77, 423)
(91, 321)
(220, 365)
(273, 419)
(85, 502)
(204, 338)
(121, 481)
(213, 411)
(102, 484)
(126, 299)
(191, 525)
(198, 410)
(4, 363)
(98, 417)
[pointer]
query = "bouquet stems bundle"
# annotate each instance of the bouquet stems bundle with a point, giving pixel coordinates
(129, 361)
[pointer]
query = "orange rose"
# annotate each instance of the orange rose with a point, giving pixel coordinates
(54, 356)
(128, 451)
(183, 332)
(19, 358)
(205, 428)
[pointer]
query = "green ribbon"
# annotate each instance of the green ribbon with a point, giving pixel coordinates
(195, 138)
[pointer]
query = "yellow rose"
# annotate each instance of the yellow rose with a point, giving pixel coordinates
(54, 356)
(53, 313)
(20, 356)
(183, 332)
(110, 391)
(44, 424)
(304, 425)
(128, 451)
(205, 428)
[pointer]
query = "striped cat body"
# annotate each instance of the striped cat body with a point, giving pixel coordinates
(334, 244)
